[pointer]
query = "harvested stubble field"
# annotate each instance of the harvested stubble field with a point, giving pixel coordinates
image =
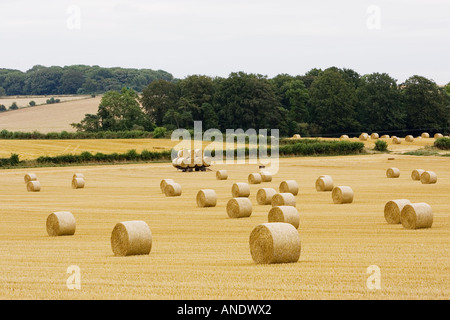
(200, 253)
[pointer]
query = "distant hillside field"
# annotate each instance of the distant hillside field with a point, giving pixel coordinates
(48, 118)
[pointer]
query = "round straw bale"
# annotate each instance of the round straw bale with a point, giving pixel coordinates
(221, 175)
(374, 136)
(206, 161)
(290, 186)
(363, 136)
(428, 177)
(78, 183)
(34, 186)
(344, 136)
(409, 138)
(416, 216)
(240, 189)
(416, 173)
(239, 208)
(180, 153)
(131, 238)
(78, 175)
(266, 176)
(396, 140)
(198, 162)
(30, 177)
(286, 214)
(275, 242)
(324, 183)
(164, 182)
(61, 224)
(206, 198)
(254, 178)
(438, 135)
(283, 199)
(393, 210)
(385, 136)
(393, 173)
(172, 189)
(425, 135)
(183, 162)
(342, 194)
(197, 153)
(297, 136)
(264, 196)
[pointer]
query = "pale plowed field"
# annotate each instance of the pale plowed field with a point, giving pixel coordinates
(200, 253)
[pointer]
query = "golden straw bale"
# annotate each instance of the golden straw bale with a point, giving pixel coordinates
(275, 242)
(131, 238)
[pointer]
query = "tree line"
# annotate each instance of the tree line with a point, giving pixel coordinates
(326, 102)
(75, 79)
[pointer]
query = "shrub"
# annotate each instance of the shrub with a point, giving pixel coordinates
(2, 108)
(442, 143)
(380, 145)
(32, 103)
(159, 132)
(13, 106)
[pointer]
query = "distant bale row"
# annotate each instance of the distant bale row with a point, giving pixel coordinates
(426, 177)
(33, 184)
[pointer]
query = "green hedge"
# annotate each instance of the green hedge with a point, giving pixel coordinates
(442, 143)
(19, 135)
(300, 149)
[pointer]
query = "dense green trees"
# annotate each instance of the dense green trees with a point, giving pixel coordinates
(75, 79)
(329, 102)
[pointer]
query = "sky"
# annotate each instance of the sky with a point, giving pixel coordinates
(210, 37)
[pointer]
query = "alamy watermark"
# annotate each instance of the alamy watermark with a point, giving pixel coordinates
(373, 22)
(73, 22)
(235, 143)
(74, 280)
(374, 280)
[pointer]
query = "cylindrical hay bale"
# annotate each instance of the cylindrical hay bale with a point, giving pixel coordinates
(283, 199)
(417, 216)
(264, 196)
(290, 186)
(240, 190)
(34, 186)
(438, 135)
(239, 208)
(183, 162)
(385, 136)
(363, 136)
(180, 153)
(197, 153)
(254, 178)
(297, 136)
(344, 136)
(393, 173)
(409, 138)
(78, 175)
(131, 238)
(206, 198)
(30, 177)
(266, 176)
(198, 162)
(374, 136)
(206, 161)
(342, 194)
(428, 177)
(61, 224)
(78, 183)
(164, 182)
(172, 190)
(324, 183)
(425, 135)
(396, 140)
(275, 242)
(393, 210)
(416, 173)
(286, 214)
(221, 175)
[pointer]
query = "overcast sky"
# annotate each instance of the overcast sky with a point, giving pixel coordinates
(211, 37)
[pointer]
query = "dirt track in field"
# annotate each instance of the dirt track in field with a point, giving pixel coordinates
(200, 253)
